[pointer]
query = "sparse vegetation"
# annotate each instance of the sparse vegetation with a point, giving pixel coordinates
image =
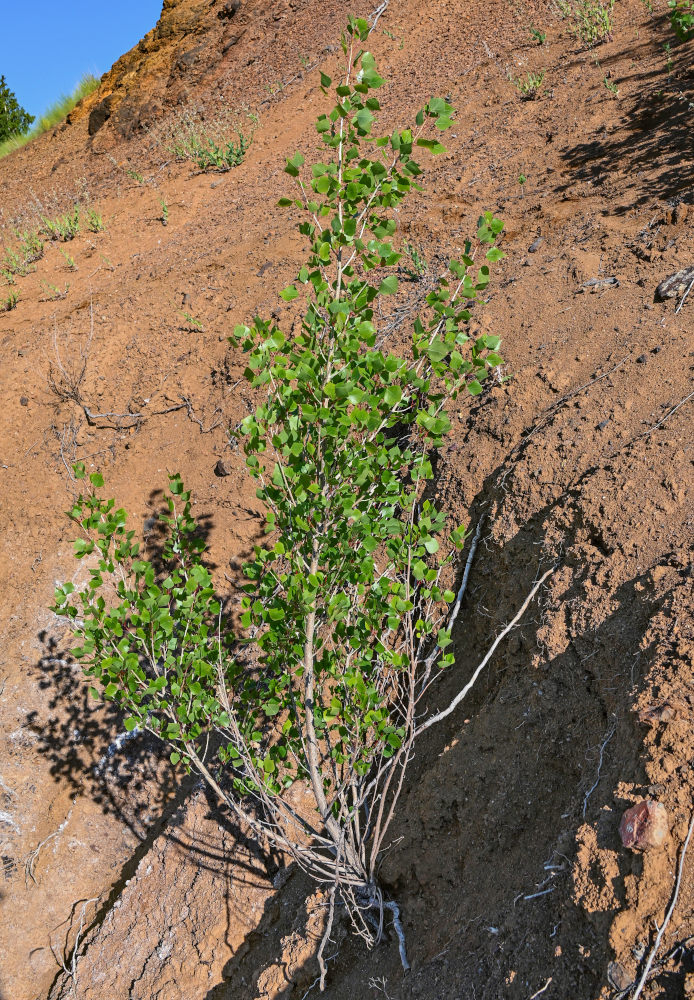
(538, 36)
(31, 245)
(53, 292)
(611, 86)
(14, 264)
(95, 221)
(52, 116)
(69, 261)
(208, 143)
(418, 263)
(10, 301)
(192, 323)
(164, 217)
(591, 20)
(529, 85)
(346, 609)
(667, 49)
(64, 227)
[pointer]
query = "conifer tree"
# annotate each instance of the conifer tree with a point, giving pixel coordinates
(14, 120)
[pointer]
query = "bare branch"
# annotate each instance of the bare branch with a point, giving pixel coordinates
(471, 683)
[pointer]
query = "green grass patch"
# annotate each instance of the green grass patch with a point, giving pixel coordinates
(52, 115)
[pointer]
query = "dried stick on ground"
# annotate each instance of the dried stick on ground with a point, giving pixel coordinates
(669, 413)
(668, 915)
(69, 963)
(684, 297)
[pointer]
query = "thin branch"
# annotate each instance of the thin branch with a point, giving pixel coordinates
(668, 915)
(470, 684)
(595, 784)
(667, 415)
(684, 297)
(541, 991)
(564, 399)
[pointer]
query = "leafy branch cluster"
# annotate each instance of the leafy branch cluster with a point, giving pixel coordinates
(682, 18)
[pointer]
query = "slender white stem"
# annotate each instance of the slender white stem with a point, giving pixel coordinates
(668, 915)
(471, 683)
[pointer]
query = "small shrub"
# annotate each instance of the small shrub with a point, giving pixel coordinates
(14, 264)
(591, 20)
(10, 302)
(192, 323)
(211, 156)
(69, 261)
(30, 245)
(95, 221)
(208, 144)
(345, 612)
(64, 228)
(419, 264)
(529, 86)
(53, 292)
(682, 18)
(611, 87)
(538, 36)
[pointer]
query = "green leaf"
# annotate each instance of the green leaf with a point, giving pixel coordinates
(363, 120)
(289, 293)
(293, 165)
(389, 285)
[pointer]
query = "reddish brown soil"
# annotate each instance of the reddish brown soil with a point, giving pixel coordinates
(508, 863)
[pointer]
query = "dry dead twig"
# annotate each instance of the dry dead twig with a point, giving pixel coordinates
(667, 416)
(668, 915)
(32, 858)
(68, 962)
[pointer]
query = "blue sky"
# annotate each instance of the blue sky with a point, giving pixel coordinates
(48, 45)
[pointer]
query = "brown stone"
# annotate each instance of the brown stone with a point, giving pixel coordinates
(644, 826)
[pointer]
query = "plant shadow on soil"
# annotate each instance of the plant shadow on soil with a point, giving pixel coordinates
(657, 130)
(128, 775)
(476, 788)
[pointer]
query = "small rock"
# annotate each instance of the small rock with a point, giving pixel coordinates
(221, 469)
(535, 246)
(680, 214)
(676, 285)
(228, 10)
(23, 401)
(641, 360)
(618, 976)
(665, 711)
(644, 825)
